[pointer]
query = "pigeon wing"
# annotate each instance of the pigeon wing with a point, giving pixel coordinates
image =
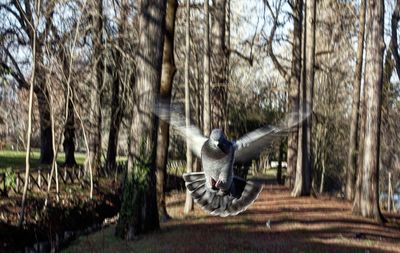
(253, 143)
(177, 121)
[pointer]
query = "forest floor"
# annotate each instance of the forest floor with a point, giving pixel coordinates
(309, 224)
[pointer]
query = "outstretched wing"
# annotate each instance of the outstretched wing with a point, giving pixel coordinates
(252, 144)
(174, 117)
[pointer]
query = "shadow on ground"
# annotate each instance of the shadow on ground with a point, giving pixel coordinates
(322, 224)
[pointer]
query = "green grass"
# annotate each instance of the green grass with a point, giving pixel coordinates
(16, 159)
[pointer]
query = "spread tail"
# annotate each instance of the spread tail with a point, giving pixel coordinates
(241, 195)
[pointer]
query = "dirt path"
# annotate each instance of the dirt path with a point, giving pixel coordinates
(321, 224)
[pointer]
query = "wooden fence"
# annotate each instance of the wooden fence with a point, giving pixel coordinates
(39, 179)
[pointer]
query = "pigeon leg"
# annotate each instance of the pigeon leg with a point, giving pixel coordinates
(210, 183)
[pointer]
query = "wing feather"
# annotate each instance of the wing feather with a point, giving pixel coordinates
(191, 133)
(253, 143)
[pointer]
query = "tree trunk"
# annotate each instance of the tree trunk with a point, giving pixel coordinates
(69, 125)
(116, 103)
(139, 212)
(353, 145)
(115, 123)
(369, 197)
(167, 77)
(95, 97)
(302, 185)
(189, 157)
(219, 52)
(357, 195)
(46, 140)
(69, 136)
(206, 87)
(294, 86)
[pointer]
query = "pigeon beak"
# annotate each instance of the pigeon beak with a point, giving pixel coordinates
(216, 143)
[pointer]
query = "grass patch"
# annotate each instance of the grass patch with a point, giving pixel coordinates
(16, 159)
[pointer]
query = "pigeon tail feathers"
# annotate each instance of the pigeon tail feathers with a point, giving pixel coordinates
(241, 195)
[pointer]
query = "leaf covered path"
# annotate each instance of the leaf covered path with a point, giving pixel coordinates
(313, 224)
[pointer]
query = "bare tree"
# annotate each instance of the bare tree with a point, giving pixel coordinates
(117, 106)
(24, 12)
(369, 195)
(167, 77)
(353, 145)
(219, 64)
(294, 86)
(33, 25)
(302, 185)
(206, 75)
(189, 156)
(139, 207)
(94, 158)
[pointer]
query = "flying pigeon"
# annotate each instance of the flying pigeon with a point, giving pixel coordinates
(216, 189)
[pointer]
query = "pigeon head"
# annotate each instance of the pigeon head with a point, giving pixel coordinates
(217, 136)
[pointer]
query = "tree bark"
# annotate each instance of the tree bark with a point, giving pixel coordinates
(219, 52)
(139, 212)
(302, 185)
(353, 145)
(294, 87)
(167, 77)
(206, 75)
(189, 157)
(369, 197)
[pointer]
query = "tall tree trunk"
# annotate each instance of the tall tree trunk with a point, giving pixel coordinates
(189, 157)
(46, 140)
(353, 145)
(302, 184)
(95, 97)
(294, 87)
(139, 212)
(369, 197)
(167, 77)
(206, 75)
(219, 52)
(116, 103)
(357, 195)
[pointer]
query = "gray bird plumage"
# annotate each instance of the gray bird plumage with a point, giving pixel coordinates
(216, 189)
